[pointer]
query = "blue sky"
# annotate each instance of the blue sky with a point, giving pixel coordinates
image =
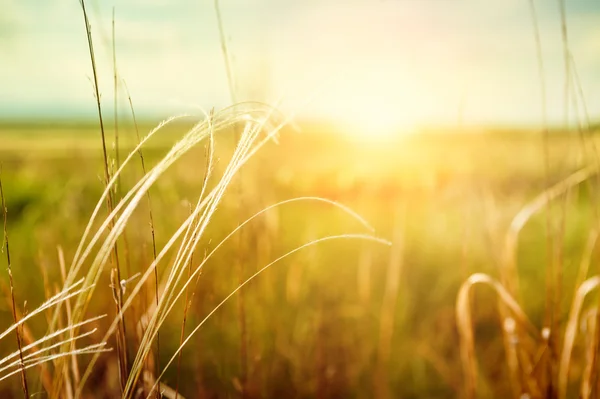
(398, 61)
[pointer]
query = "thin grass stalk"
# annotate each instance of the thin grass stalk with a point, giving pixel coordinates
(115, 95)
(51, 302)
(555, 328)
(225, 51)
(465, 325)
(150, 216)
(35, 354)
(185, 253)
(224, 119)
(88, 30)
(509, 275)
(122, 346)
(260, 271)
(586, 257)
(585, 143)
(178, 150)
(190, 234)
(101, 258)
(390, 297)
(92, 349)
(17, 363)
(131, 199)
(245, 142)
(62, 266)
(186, 306)
(571, 332)
(196, 272)
(591, 327)
(166, 391)
(508, 270)
(34, 345)
(5, 247)
(110, 199)
(550, 238)
(187, 302)
(566, 59)
(595, 360)
(240, 262)
(45, 379)
(586, 116)
(176, 271)
(63, 383)
(83, 250)
(590, 372)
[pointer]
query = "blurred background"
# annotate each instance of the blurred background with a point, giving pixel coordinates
(436, 121)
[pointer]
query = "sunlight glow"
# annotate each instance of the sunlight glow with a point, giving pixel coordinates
(379, 123)
(377, 119)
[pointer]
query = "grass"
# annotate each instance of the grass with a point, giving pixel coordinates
(325, 306)
(5, 247)
(311, 331)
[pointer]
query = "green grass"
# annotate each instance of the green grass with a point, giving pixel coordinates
(311, 333)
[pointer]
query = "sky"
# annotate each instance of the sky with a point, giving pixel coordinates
(405, 62)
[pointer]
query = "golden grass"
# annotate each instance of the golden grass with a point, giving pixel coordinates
(81, 275)
(97, 244)
(526, 347)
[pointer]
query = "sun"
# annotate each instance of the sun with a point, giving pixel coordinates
(379, 121)
(375, 109)
(376, 120)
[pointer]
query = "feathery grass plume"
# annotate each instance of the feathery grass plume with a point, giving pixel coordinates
(5, 247)
(465, 324)
(53, 302)
(186, 306)
(20, 360)
(249, 113)
(187, 302)
(27, 336)
(34, 357)
(149, 200)
(169, 297)
(120, 215)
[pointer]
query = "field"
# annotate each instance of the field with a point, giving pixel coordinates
(343, 318)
